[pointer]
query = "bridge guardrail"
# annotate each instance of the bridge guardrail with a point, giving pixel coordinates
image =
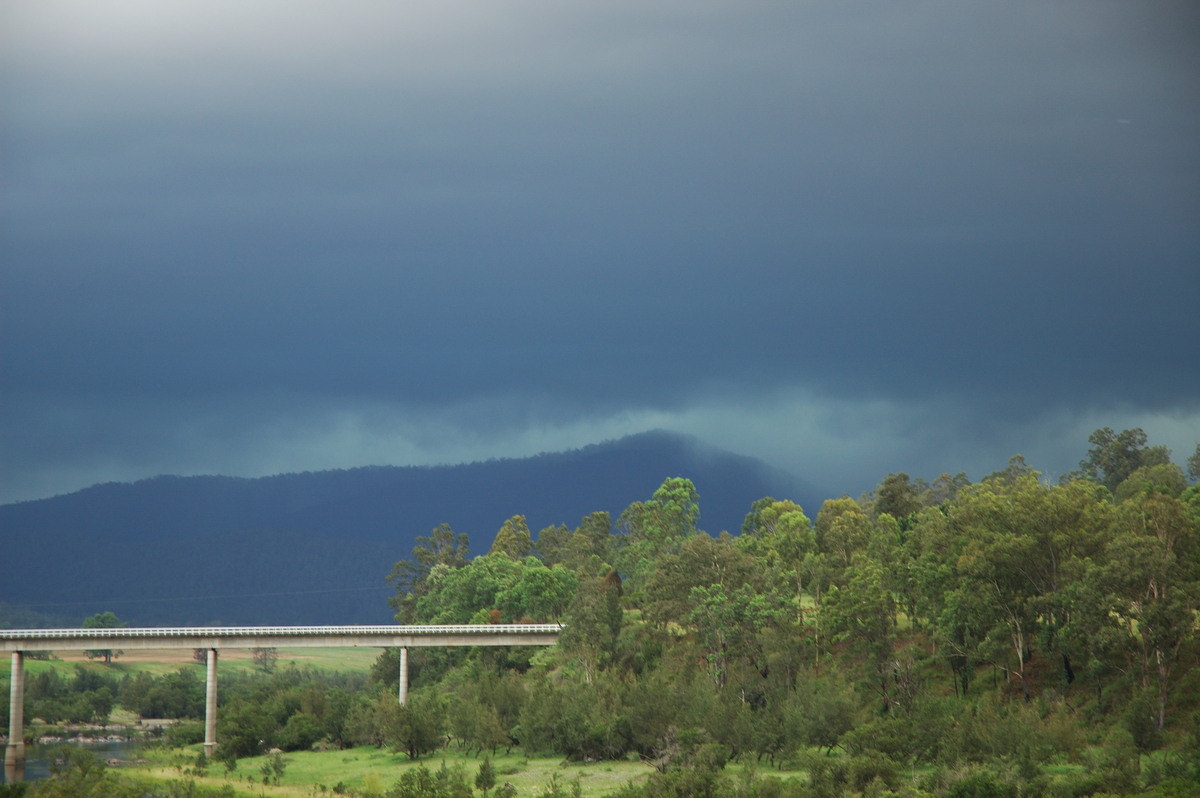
(271, 631)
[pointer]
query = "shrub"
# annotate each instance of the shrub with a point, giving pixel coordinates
(183, 734)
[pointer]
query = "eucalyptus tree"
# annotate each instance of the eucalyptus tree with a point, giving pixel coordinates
(444, 547)
(656, 527)
(1153, 570)
(843, 528)
(587, 549)
(1165, 478)
(729, 625)
(496, 587)
(1116, 455)
(513, 538)
(1015, 546)
(592, 624)
(700, 561)
(778, 535)
(862, 615)
(900, 497)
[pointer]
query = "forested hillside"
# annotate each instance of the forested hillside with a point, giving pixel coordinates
(1005, 637)
(315, 547)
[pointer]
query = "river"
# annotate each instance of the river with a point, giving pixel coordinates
(37, 765)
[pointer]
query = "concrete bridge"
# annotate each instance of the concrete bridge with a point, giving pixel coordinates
(212, 639)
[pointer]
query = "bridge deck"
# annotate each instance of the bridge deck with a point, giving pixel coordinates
(279, 636)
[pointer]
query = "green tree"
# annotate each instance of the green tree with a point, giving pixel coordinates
(553, 545)
(103, 620)
(898, 496)
(445, 782)
(587, 550)
(825, 709)
(246, 726)
(172, 695)
(1014, 547)
(1094, 639)
(1153, 566)
(485, 779)
(729, 625)
(1017, 468)
(301, 731)
(496, 585)
(539, 593)
(1116, 455)
(862, 614)
(595, 533)
(442, 547)
(843, 529)
(475, 723)
(414, 728)
(1166, 478)
(945, 488)
(592, 624)
(513, 539)
(778, 535)
(700, 561)
(658, 526)
(466, 594)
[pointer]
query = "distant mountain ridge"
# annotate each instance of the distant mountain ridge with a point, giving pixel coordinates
(315, 547)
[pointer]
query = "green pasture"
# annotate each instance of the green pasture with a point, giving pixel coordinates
(375, 769)
(158, 663)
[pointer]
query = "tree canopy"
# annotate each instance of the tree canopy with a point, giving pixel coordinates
(949, 638)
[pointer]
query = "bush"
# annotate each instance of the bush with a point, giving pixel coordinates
(1141, 721)
(300, 733)
(983, 783)
(863, 770)
(827, 777)
(183, 734)
(420, 782)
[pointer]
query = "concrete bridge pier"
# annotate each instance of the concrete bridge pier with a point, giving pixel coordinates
(210, 705)
(403, 676)
(14, 752)
(211, 639)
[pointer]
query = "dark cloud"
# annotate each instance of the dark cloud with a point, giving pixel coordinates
(237, 238)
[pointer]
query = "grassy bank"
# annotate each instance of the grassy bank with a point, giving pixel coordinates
(310, 773)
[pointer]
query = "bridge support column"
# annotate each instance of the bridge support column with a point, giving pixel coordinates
(210, 705)
(403, 676)
(14, 752)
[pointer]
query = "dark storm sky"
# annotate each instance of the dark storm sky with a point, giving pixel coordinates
(847, 238)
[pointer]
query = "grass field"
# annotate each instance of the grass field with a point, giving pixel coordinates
(311, 773)
(159, 662)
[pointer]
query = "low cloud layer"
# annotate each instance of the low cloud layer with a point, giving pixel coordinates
(848, 240)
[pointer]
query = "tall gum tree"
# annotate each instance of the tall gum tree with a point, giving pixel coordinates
(444, 547)
(778, 534)
(1019, 544)
(656, 527)
(1153, 568)
(513, 538)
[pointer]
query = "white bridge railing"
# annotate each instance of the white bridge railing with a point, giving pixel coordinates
(279, 631)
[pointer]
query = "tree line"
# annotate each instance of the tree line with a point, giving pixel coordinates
(1007, 636)
(977, 631)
